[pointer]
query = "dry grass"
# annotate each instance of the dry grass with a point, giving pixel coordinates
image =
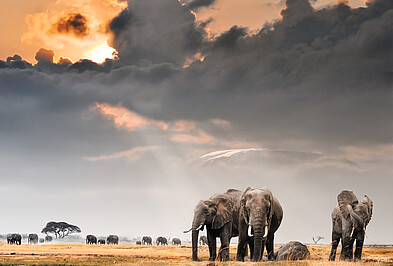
(80, 254)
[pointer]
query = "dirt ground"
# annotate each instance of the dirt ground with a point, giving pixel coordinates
(81, 254)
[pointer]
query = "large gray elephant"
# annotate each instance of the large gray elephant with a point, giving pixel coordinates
(220, 215)
(350, 219)
(146, 240)
(48, 238)
(90, 239)
(32, 239)
(112, 239)
(260, 217)
(293, 250)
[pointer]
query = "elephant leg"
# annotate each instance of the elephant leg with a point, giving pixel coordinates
(211, 240)
(225, 238)
(270, 247)
(241, 247)
(251, 245)
(335, 241)
(359, 246)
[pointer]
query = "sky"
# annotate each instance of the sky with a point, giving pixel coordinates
(119, 116)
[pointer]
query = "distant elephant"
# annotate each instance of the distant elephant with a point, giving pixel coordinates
(90, 239)
(112, 239)
(293, 250)
(48, 239)
(42, 240)
(161, 241)
(176, 241)
(350, 219)
(138, 242)
(14, 239)
(203, 240)
(101, 241)
(260, 217)
(32, 239)
(146, 240)
(220, 214)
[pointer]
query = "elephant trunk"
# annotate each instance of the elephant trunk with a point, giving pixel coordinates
(357, 221)
(197, 224)
(195, 234)
(259, 242)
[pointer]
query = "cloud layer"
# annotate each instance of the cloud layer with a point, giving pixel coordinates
(317, 81)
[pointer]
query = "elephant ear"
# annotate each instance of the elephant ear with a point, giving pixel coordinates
(224, 211)
(269, 197)
(346, 197)
(243, 201)
(369, 203)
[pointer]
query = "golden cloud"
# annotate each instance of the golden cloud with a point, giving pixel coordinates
(124, 118)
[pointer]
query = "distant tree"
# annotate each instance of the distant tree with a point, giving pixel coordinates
(60, 229)
(316, 239)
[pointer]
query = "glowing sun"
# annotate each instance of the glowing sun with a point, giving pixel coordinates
(102, 52)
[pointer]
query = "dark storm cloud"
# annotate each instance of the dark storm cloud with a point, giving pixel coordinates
(15, 61)
(321, 77)
(156, 32)
(197, 4)
(73, 23)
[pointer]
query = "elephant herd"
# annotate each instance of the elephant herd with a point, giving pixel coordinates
(161, 240)
(110, 240)
(31, 239)
(254, 215)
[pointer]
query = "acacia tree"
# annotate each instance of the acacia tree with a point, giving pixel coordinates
(316, 239)
(60, 229)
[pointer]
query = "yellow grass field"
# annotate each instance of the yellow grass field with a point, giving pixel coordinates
(81, 254)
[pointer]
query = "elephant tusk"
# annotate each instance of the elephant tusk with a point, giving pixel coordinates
(353, 229)
(249, 232)
(199, 227)
(187, 230)
(266, 231)
(365, 233)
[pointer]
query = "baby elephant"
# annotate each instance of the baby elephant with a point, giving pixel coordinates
(293, 250)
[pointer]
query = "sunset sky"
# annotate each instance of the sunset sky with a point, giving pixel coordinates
(119, 116)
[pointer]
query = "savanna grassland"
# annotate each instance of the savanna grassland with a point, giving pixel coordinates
(81, 254)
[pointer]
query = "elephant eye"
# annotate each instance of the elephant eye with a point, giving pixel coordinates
(205, 211)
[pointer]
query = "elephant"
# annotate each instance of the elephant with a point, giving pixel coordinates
(176, 241)
(220, 215)
(350, 219)
(14, 239)
(90, 239)
(138, 242)
(32, 239)
(42, 240)
(112, 239)
(146, 240)
(293, 250)
(260, 217)
(202, 240)
(101, 241)
(48, 239)
(161, 240)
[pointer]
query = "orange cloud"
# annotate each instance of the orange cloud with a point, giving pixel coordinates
(182, 126)
(132, 155)
(124, 118)
(201, 138)
(72, 28)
